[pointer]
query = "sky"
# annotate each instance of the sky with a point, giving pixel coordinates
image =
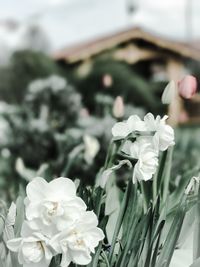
(68, 22)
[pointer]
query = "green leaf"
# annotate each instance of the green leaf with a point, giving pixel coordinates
(20, 216)
(196, 246)
(172, 237)
(196, 263)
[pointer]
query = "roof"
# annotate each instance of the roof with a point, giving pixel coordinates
(88, 49)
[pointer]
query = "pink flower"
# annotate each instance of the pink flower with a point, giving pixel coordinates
(187, 87)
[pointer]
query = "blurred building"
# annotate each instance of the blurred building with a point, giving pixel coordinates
(158, 58)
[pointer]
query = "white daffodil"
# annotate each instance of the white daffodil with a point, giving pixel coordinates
(164, 134)
(78, 242)
(147, 156)
(32, 248)
(53, 203)
(123, 129)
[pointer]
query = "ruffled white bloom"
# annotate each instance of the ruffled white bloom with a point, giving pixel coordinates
(57, 222)
(79, 241)
(147, 156)
(164, 134)
(32, 248)
(123, 129)
(53, 203)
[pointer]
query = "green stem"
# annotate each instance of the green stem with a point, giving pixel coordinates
(145, 196)
(155, 184)
(75, 152)
(108, 162)
(119, 220)
(167, 174)
(106, 259)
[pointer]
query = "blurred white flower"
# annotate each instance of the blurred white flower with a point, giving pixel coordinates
(164, 134)
(32, 248)
(53, 203)
(147, 156)
(91, 148)
(79, 241)
(55, 82)
(123, 129)
(5, 131)
(169, 93)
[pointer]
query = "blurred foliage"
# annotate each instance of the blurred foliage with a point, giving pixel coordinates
(111, 78)
(24, 67)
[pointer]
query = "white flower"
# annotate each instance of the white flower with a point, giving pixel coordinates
(147, 156)
(164, 134)
(53, 203)
(123, 129)
(32, 248)
(79, 241)
(91, 148)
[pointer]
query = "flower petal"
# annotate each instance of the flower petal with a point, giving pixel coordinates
(36, 189)
(120, 129)
(14, 244)
(61, 189)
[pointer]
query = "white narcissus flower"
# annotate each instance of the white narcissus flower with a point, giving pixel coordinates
(54, 203)
(78, 242)
(147, 156)
(32, 248)
(57, 222)
(123, 129)
(164, 134)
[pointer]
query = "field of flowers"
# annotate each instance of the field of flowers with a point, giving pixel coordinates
(92, 180)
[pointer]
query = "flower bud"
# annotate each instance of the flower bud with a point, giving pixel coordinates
(187, 87)
(169, 93)
(118, 107)
(107, 80)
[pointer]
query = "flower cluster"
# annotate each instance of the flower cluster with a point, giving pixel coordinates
(56, 223)
(154, 135)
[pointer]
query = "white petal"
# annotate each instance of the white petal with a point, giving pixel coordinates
(88, 220)
(93, 237)
(66, 259)
(120, 129)
(61, 188)
(150, 122)
(136, 124)
(36, 189)
(14, 244)
(33, 210)
(81, 257)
